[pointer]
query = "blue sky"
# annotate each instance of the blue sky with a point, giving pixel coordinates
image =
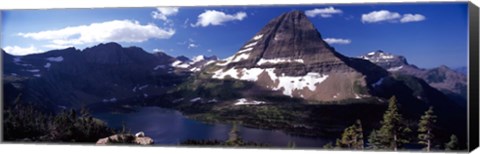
(428, 34)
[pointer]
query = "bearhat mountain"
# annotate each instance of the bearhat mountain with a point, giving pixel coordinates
(288, 55)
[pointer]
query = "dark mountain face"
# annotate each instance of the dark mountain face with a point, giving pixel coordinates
(450, 82)
(289, 56)
(106, 73)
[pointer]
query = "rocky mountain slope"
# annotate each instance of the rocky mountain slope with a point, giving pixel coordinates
(289, 56)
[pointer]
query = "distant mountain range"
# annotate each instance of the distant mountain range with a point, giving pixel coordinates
(451, 82)
(106, 73)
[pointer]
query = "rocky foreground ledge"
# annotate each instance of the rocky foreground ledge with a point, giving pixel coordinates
(138, 138)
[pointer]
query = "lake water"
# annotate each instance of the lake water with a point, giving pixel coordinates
(170, 127)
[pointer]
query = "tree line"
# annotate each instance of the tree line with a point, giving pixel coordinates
(24, 122)
(394, 133)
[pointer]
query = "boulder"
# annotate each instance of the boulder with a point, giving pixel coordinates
(138, 138)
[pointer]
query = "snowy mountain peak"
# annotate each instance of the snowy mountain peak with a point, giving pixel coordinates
(385, 59)
(194, 65)
(201, 58)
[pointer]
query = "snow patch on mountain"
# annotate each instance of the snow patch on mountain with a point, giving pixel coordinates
(143, 87)
(278, 60)
(241, 57)
(114, 99)
(257, 37)
(47, 65)
(159, 66)
(395, 68)
(291, 83)
(17, 59)
(251, 44)
(34, 70)
(378, 56)
(244, 101)
(245, 50)
(55, 59)
(180, 64)
(196, 99)
(287, 84)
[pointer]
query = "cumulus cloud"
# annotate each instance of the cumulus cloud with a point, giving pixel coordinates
(388, 16)
(323, 12)
(337, 41)
(379, 16)
(21, 51)
(162, 13)
(192, 45)
(110, 31)
(215, 18)
(412, 18)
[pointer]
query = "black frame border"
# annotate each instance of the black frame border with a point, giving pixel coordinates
(473, 74)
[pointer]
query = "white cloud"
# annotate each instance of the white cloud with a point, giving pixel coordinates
(21, 51)
(393, 17)
(337, 41)
(412, 18)
(379, 16)
(324, 12)
(209, 50)
(162, 13)
(215, 18)
(109, 31)
(192, 45)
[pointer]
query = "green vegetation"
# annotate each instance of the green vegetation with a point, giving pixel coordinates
(425, 129)
(25, 123)
(394, 133)
(352, 137)
(393, 130)
(452, 144)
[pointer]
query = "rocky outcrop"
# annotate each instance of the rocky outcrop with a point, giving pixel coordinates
(139, 138)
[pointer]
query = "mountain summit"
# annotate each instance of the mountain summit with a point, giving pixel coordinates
(290, 56)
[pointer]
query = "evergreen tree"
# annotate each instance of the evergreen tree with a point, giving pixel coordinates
(452, 144)
(374, 141)
(393, 130)
(329, 145)
(425, 127)
(352, 137)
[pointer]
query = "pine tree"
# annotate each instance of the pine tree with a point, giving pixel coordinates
(452, 144)
(352, 137)
(329, 145)
(393, 130)
(425, 127)
(374, 142)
